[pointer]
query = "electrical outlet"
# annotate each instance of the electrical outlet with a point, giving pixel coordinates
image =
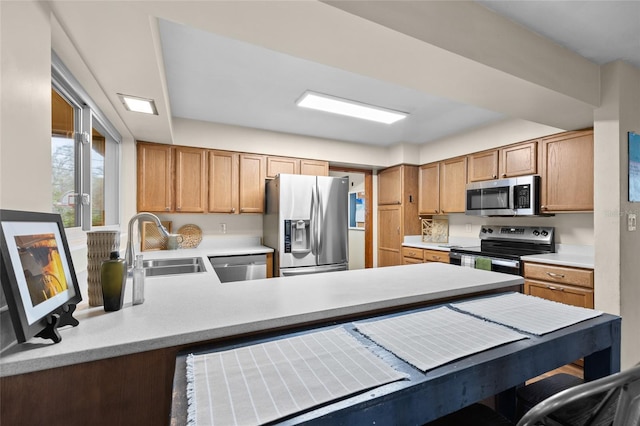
(467, 227)
(223, 228)
(631, 221)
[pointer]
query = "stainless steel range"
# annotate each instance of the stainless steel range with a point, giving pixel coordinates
(503, 246)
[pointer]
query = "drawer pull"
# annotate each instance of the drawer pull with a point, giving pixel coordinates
(550, 287)
(554, 275)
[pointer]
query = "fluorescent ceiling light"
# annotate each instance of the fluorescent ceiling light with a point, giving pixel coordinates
(136, 104)
(350, 108)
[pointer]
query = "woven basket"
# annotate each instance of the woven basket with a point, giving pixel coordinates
(191, 234)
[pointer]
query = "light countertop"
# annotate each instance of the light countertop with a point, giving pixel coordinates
(192, 308)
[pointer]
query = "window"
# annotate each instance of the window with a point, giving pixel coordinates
(85, 151)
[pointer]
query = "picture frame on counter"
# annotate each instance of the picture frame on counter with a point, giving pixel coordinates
(38, 279)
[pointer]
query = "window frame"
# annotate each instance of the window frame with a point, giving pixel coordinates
(88, 116)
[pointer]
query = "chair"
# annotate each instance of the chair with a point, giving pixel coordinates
(612, 400)
(531, 395)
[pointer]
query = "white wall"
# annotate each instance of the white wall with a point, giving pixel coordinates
(616, 251)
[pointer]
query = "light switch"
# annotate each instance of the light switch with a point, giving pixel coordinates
(631, 221)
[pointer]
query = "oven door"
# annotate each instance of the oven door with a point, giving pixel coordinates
(506, 266)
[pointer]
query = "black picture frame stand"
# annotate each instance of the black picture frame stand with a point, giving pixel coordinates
(60, 318)
(51, 330)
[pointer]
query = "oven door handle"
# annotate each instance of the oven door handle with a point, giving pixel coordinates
(507, 263)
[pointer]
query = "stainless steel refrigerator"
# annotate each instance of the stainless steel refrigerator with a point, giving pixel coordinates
(307, 222)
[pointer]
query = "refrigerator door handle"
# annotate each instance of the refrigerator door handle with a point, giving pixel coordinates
(320, 225)
(313, 222)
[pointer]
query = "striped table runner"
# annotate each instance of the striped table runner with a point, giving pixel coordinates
(435, 337)
(265, 382)
(527, 313)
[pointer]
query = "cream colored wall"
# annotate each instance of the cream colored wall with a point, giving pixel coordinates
(25, 130)
(616, 253)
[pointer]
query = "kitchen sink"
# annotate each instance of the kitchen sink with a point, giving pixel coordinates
(160, 267)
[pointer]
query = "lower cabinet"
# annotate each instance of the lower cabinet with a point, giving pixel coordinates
(572, 286)
(417, 255)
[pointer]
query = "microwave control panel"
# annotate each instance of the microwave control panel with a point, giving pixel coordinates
(522, 196)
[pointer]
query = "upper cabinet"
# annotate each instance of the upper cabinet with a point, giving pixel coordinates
(442, 187)
(295, 166)
(453, 181)
(509, 161)
(251, 182)
(429, 189)
(190, 180)
(224, 172)
(171, 179)
(236, 182)
(390, 185)
(155, 178)
(567, 172)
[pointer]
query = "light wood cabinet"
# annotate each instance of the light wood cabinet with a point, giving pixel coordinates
(429, 189)
(282, 165)
(453, 181)
(567, 172)
(236, 182)
(412, 255)
(224, 171)
(155, 177)
(251, 183)
(397, 211)
(390, 186)
(314, 167)
(171, 179)
(190, 180)
(389, 235)
(435, 256)
(483, 165)
(572, 286)
(442, 187)
(513, 160)
(295, 166)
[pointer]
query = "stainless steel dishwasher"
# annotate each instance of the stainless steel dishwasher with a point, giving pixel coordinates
(240, 268)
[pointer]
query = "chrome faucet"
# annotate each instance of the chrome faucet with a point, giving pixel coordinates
(130, 254)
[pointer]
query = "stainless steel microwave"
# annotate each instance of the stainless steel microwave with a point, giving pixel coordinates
(518, 196)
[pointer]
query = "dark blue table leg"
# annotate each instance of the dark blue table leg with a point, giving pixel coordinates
(607, 361)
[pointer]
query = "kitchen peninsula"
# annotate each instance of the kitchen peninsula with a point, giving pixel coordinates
(117, 368)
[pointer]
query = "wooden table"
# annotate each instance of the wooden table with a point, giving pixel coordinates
(427, 396)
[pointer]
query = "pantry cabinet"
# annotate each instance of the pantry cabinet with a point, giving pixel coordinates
(572, 286)
(397, 211)
(513, 160)
(567, 172)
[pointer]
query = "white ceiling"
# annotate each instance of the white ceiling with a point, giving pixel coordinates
(237, 63)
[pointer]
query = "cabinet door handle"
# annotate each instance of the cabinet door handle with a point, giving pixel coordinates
(398, 230)
(233, 209)
(167, 209)
(504, 175)
(495, 176)
(550, 287)
(543, 207)
(554, 275)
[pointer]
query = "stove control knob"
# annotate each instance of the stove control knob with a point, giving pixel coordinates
(490, 231)
(483, 230)
(545, 233)
(536, 232)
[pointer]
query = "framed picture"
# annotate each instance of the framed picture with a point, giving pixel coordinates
(37, 274)
(634, 167)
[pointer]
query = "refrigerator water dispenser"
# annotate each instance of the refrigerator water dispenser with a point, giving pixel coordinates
(297, 236)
